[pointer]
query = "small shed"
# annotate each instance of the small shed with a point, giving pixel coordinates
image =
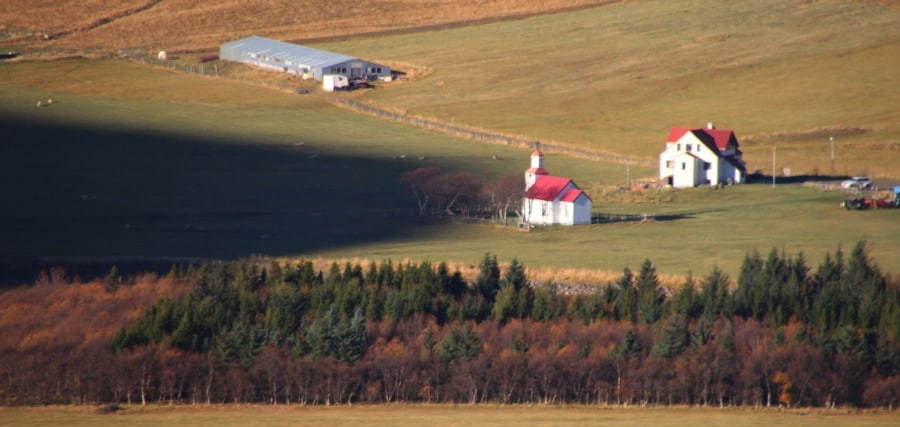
(303, 61)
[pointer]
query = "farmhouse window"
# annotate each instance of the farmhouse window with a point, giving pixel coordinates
(678, 148)
(670, 164)
(706, 165)
(688, 147)
(683, 166)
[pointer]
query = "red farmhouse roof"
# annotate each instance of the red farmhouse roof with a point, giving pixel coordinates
(676, 133)
(547, 187)
(718, 138)
(572, 195)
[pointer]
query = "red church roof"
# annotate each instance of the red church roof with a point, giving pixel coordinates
(572, 195)
(547, 187)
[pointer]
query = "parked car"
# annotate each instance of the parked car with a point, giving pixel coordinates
(857, 182)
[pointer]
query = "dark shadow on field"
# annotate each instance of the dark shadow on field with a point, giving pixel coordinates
(610, 218)
(673, 217)
(795, 179)
(73, 192)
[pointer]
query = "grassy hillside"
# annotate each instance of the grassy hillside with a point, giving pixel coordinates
(785, 74)
(132, 161)
(96, 27)
(614, 78)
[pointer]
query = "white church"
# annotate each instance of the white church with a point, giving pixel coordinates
(551, 200)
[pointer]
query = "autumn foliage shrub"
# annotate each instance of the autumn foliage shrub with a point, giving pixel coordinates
(406, 332)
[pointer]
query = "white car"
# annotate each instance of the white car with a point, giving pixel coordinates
(857, 182)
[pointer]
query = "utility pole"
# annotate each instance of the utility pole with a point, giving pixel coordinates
(773, 167)
(832, 154)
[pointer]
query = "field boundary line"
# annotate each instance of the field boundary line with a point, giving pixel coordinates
(391, 114)
(481, 134)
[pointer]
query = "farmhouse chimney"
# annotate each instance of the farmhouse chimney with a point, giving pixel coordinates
(709, 125)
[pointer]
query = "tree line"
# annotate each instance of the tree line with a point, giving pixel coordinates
(451, 193)
(786, 334)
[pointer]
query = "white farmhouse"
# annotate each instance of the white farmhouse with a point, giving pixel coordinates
(553, 199)
(695, 157)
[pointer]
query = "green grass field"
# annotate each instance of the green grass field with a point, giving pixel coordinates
(220, 169)
(117, 167)
(443, 415)
(617, 78)
(144, 163)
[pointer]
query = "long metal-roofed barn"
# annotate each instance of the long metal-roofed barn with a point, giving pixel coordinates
(300, 60)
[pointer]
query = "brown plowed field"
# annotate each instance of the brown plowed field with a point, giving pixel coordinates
(97, 26)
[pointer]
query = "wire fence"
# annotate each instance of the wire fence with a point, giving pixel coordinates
(482, 135)
(217, 68)
(480, 217)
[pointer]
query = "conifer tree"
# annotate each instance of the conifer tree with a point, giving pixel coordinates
(750, 286)
(505, 305)
(352, 338)
(627, 303)
(460, 344)
(546, 305)
(714, 294)
(673, 340)
(772, 294)
(488, 281)
(686, 302)
(524, 296)
(515, 275)
(306, 274)
(863, 279)
(797, 292)
(630, 348)
(651, 296)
